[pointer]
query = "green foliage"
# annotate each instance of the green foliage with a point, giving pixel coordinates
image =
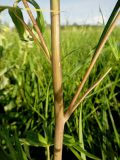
(40, 19)
(2, 8)
(19, 26)
(110, 20)
(12, 144)
(17, 17)
(36, 139)
(26, 96)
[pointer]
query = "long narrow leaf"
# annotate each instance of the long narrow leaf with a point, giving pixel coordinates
(114, 128)
(21, 155)
(19, 26)
(2, 8)
(112, 16)
(81, 133)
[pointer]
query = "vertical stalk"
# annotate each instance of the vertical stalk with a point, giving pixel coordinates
(81, 141)
(48, 152)
(57, 79)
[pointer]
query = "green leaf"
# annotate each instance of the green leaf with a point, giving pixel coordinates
(20, 153)
(34, 139)
(115, 48)
(81, 140)
(27, 151)
(110, 20)
(4, 155)
(75, 147)
(68, 140)
(4, 134)
(42, 140)
(80, 149)
(114, 128)
(1, 51)
(16, 15)
(16, 151)
(40, 19)
(2, 8)
(75, 153)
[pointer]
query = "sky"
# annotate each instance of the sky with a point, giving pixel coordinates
(72, 11)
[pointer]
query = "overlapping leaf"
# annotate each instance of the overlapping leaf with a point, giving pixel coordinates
(39, 19)
(16, 15)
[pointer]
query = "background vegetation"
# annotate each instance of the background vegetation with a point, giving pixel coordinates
(26, 97)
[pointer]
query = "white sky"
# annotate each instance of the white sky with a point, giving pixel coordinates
(73, 11)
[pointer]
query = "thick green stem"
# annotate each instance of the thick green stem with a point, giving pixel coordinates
(57, 79)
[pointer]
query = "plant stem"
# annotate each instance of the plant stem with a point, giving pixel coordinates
(48, 152)
(81, 141)
(71, 107)
(70, 111)
(36, 40)
(43, 44)
(57, 79)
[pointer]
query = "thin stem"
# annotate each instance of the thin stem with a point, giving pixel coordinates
(96, 55)
(81, 141)
(43, 44)
(56, 59)
(57, 79)
(69, 112)
(31, 33)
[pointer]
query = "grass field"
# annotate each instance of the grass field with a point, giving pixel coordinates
(26, 97)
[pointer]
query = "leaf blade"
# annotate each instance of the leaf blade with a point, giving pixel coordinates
(14, 14)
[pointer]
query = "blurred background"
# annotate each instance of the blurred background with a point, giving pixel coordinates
(72, 12)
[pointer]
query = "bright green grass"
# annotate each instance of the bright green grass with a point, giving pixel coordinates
(27, 97)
